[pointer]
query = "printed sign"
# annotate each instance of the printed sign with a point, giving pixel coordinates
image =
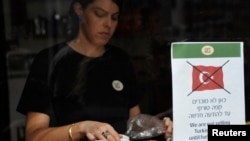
(208, 87)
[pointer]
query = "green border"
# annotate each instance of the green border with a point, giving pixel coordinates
(193, 50)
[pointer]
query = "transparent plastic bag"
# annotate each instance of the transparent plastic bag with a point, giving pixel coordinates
(144, 126)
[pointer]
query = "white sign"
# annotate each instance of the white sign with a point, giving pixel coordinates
(208, 87)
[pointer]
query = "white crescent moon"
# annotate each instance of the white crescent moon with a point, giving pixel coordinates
(201, 77)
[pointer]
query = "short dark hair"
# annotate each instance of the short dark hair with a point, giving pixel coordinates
(85, 3)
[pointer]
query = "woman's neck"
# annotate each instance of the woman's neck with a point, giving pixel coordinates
(85, 48)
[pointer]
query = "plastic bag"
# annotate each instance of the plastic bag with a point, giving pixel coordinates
(144, 126)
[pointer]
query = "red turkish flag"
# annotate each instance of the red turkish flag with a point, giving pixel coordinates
(207, 78)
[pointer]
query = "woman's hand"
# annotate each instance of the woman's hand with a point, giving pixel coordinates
(169, 127)
(100, 131)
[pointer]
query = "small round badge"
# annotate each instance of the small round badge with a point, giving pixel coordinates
(207, 50)
(117, 85)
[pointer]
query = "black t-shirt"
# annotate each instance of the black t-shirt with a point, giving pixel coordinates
(71, 87)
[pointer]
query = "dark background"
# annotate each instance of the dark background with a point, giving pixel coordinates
(146, 30)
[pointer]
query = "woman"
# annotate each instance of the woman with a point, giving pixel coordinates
(83, 88)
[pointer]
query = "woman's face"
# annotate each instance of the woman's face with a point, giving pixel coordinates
(99, 21)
